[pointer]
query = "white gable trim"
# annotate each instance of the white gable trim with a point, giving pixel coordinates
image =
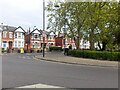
(19, 30)
(36, 31)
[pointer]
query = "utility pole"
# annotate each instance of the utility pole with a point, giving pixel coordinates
(43, 28)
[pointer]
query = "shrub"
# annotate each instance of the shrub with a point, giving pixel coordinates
(102, 55)
(70, 47)
(55, 48)
(3, 49)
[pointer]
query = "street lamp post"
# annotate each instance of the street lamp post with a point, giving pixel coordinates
(43, 28)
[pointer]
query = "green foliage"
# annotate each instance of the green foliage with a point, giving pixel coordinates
(94, 21)
(3, 50)
(102, 55)
(70, 47)
(55, 48)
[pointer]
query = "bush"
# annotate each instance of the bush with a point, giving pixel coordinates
(70, 47)
(102, 55)
(55, 48)
(3, 50)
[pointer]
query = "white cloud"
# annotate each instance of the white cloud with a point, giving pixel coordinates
(24, 5)
(21, 12)
(25, 13)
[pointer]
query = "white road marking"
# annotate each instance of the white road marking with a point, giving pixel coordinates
(40, 86)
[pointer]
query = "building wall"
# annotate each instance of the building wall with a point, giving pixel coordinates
(51, 41)
(59, 41)
(7, 39)
(35, 40)
(84, 44)
(19, 41)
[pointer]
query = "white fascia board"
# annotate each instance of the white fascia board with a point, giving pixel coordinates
(19, 30)
(36, 32)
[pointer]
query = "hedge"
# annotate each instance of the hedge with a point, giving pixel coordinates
(102, 55)
(55, 48)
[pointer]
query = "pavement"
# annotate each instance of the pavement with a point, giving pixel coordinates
(61, 58)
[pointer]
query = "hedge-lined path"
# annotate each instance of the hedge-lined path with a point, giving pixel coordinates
(61, 58)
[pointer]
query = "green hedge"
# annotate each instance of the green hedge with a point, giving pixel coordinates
(3, 50)
(55, 48)
(102, 55)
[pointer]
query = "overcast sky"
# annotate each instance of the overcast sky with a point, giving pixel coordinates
(25, 13)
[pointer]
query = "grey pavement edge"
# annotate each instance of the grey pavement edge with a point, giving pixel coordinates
(59, 57)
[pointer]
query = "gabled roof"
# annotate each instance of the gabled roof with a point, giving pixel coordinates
(8, 28)
(46, 32)
(36, 30)
(20, 28)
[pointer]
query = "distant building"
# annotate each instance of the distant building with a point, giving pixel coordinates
(16, 38)
(8, 37)
(35, 39)
(19, 38)
(51, 39)
(84, 44)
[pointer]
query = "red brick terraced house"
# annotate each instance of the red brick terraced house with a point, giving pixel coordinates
(8, 37)
(50, 38)
(34, 39)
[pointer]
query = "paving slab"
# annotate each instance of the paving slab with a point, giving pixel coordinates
(60, 57)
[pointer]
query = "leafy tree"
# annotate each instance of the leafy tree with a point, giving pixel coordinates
(96, 21)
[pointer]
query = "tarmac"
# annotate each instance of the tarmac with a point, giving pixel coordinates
(59, 57)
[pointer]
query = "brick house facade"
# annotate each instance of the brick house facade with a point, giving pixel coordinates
(8, 37)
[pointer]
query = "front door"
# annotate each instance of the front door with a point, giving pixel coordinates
(10, 45)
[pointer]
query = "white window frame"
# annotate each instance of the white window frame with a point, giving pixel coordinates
(10, 34)
(15, 43)
(22, 43)
(19, 43)
(4, 34)
(15, 35)
(19, 35)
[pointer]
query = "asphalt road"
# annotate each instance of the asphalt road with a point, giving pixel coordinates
(22, 69)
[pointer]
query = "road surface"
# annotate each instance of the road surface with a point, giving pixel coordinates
(22, 69)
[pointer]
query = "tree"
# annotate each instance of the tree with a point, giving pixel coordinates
(96, 21)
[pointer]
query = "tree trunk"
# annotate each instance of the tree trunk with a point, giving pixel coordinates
(77, 43)
(104, 46)
(91, 40)
(99, 45)
(92, 45)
